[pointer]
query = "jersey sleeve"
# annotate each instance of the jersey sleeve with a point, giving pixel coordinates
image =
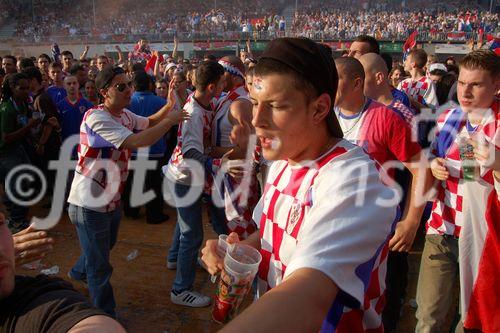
(192, 133)
(345, 229)
(139, 122)
(103, 131)
(399, 138)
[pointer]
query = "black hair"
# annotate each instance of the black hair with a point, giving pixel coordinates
(11, 57)
(25, 63)
(209, 57)
(10, 81)
(137, 67)
(142, 81)
(104, 77)
(67, 53)
(208, 72)
(45, 56)
(33, 73)
(372, 42)
(443, 87)
(75, 68)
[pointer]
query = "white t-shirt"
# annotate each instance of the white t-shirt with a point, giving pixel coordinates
(101, 136)
(309, 217)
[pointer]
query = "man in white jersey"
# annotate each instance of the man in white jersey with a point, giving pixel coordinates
(322, 255)
(234, 109)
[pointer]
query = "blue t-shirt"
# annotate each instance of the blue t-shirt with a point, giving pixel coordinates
(57, 94)
(145, 103)
(71, 116)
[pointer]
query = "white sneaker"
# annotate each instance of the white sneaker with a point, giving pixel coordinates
(190, 298)
(172, 265)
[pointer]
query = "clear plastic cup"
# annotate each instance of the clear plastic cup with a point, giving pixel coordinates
(241, 264)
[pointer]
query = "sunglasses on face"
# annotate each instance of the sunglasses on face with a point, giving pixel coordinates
(121, 87)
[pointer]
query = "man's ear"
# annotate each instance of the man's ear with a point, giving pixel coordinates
(379, 78)
(322, 106)
(103, 92)
(359, 83)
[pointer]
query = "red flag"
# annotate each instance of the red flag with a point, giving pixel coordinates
(410, 43)
(150, 65)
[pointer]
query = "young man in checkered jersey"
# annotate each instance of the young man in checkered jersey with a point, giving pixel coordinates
(462, 236)
(418, 87)
(323, 256)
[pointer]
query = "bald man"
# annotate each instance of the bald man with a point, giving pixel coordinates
(377, 85)
(386, 137)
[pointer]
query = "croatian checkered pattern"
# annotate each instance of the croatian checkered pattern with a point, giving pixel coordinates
(448, 208)
(88, 158)
(286, 202)
(420, 90)
(402, 110)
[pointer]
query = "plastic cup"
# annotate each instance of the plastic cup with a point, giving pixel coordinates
(241, 264)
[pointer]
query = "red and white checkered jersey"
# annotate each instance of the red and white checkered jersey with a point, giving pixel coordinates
(310, 216)
(102, 167)
(194, 133)
(402, 110)
(422, 90)
(451, 209)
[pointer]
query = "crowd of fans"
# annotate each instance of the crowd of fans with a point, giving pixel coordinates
(340, 19)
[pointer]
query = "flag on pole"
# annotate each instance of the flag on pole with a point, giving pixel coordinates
(150, 65)
(410, 43)
(480, 37)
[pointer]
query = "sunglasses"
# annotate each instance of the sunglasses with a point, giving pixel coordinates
(122, 86)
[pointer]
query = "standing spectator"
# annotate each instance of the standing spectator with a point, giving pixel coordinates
(80, 73)
(43, 62)
(418, 87)
(101, 62)
(67, 62)
(106, 135)
(15, 125)
(144, 103)
(56, 90)
(193, 135)
(9, 64)
(397, 75)
(363, 44)
(91, 92)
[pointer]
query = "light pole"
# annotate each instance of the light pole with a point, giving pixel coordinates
(93, 10)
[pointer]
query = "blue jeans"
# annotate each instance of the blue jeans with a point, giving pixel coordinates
(97, 233)
(187, 239)
(18, 214)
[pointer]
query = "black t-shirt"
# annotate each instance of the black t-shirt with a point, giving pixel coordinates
(43, 304)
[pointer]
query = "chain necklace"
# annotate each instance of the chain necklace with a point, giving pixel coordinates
(359, 116)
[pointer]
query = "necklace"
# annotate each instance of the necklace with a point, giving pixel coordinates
(358, 117)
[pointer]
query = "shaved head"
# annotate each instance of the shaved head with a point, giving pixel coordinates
(350, 68)
(374, 63)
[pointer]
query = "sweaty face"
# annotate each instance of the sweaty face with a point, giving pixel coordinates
(476, 89)
(358, 49)
(6, 260)
(281, 117)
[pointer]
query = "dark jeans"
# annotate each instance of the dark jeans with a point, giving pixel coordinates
(396, 282)
(153, 181)
(188, 237)
(17, 219)
(97, 233)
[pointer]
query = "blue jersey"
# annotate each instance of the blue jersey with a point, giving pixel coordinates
(402, 97)
(145, 103)
(57, 94)
(71, 116)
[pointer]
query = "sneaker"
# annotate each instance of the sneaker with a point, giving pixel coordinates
(82, 282)
(172, 265)
(190, 298)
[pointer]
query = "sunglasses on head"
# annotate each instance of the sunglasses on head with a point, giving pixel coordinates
(122, 86)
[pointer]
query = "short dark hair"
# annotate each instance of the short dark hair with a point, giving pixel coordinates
(372, 42)
(25, 63)
(55, 65)
(75, 68)
(67, 53)
(142, 81)
(352, 67)
(45, 56)
(138, 66)
(11, 57)
(209, 57)
(208, 72)
(419, 56)
(9, 81)
(33, 73)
